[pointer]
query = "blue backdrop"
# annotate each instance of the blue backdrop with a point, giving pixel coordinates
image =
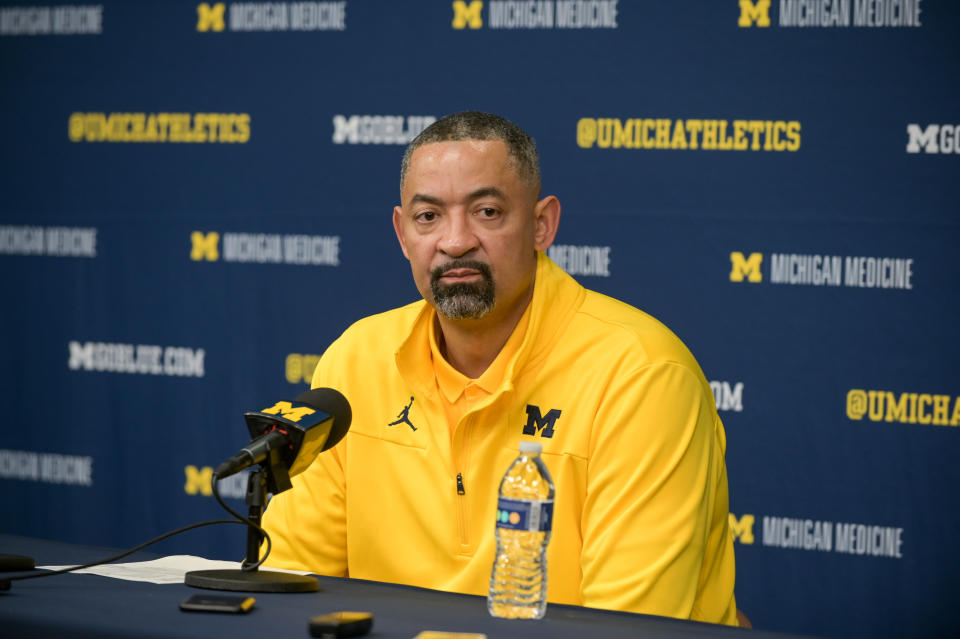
(196, 200)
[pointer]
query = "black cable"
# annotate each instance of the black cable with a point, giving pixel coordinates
(240, 519)
(124, 553)
(244, 565)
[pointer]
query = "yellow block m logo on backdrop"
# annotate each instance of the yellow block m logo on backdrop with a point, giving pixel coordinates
(204, 246)
(742, 528)
(745, 267)
(751, 12)
(199, 480)
(211, 18)
(464, 14)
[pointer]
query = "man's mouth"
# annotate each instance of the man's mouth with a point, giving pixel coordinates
(461, 271)
(460, 274)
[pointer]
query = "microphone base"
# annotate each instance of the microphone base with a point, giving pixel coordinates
(251, 581)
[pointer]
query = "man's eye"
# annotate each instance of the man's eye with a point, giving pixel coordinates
(489, 213)
(426, 216)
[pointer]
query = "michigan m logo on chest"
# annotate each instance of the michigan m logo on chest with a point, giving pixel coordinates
(539, 424)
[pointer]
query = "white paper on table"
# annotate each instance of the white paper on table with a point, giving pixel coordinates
(166, 570)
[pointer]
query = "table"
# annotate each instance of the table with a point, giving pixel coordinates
(83, 605)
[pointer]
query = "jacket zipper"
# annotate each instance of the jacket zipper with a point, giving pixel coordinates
(461, 512)
(463, 458)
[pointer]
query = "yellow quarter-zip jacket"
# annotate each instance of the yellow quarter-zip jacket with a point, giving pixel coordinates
(630, 435)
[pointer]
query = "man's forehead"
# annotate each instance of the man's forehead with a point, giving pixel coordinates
(466, 165)
(467, 161)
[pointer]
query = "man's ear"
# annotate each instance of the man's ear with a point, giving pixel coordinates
(398, 227)
(546, 220)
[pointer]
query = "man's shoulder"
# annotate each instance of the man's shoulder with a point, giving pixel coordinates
(642, 337)
(391, 325)
(366, 348)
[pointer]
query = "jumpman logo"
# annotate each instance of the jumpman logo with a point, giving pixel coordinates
(403, 417)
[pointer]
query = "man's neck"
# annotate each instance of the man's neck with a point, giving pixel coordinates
(470, 346)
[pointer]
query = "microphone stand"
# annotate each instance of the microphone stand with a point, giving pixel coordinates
(273, 475)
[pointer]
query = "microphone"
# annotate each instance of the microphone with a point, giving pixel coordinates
(287, 437)
(292, 434)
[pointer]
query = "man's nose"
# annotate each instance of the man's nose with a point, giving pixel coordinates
(458, 236)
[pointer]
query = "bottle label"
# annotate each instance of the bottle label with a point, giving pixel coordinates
(525, 514)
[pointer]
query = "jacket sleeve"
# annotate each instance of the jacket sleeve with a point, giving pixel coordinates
(654, 478)
(308, 524)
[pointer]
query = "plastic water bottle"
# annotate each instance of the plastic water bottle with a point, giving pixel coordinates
(518, 581)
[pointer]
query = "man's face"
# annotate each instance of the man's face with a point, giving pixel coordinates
(469, 226)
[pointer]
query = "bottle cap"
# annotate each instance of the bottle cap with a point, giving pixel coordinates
(531, 447)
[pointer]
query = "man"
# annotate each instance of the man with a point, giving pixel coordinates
(506, 346)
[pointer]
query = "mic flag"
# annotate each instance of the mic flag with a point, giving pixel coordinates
(290, 434)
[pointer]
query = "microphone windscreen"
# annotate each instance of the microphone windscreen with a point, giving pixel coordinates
(334, 404)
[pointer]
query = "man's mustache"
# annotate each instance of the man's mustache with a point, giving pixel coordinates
(482, 267)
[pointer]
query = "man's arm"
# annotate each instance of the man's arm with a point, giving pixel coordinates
(654, 521)
(308, 524)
